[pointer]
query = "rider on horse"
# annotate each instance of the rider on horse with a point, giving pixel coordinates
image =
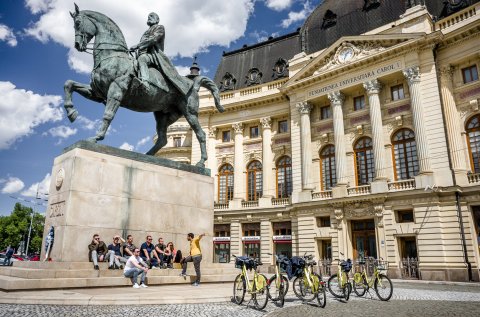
(150, 51)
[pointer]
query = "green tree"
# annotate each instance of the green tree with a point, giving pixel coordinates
(14, 228)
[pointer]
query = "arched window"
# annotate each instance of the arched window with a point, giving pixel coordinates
(473, 137)
(327, 167)
(364, 161)
(254, 181)
(225, 183)
(284, 177)
(405, 153)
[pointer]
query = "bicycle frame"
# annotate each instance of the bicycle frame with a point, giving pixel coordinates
(307, 275)
(251, 283)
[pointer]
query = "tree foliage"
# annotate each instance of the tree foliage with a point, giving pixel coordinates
(14, 228)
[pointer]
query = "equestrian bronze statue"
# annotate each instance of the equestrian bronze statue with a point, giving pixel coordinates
(150, 84)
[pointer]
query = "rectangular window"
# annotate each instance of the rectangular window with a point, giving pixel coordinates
(226, 136)
(359, 103)
(325, 113)
(282, 126)
(323, 221)
(177, 142)
(397, 92)
(254, 132)
(470, 74)
(405, 216)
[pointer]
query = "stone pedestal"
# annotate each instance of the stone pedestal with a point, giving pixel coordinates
(108, 191)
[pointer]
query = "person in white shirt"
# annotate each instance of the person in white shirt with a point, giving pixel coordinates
(135, 266)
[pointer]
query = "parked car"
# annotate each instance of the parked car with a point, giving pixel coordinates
(35, 257)
(20, 257)
(2, 259)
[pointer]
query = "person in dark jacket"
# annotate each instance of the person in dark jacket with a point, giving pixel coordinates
(97, 250)
(115, 254)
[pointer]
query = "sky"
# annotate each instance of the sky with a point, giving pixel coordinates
(37, 56)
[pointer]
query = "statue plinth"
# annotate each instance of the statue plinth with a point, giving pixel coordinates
(100, 189)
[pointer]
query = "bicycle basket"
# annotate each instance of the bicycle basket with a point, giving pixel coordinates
(382, 265)
(346, 265)
(239, 261)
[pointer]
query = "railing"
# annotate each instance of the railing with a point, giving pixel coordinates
(250, 91)
(405, 184)
(250, 204)
(277, 84)
(359, 190)
(227, 96)
(326, 194)
(409, 268)
(220, 206)
(455, 18)
(367, 265)
(280, 201)
(474, 178)
(325, 267)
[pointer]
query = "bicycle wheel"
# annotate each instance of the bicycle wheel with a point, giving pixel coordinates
(274, 289)
(359, 284)
(281, 299)
(334, 286)
(347, 290)
(321, 295)
(260, 295)
(309, 292)
(383, 287)
(239, 289)
(296, 286)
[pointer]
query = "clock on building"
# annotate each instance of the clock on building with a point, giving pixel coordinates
(345, 54)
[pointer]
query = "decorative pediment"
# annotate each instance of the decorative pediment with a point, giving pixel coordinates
(350, 49)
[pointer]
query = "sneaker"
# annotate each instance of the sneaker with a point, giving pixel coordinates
(121, 266)
(196, 284)
(143, 285)
(95, 267)
(111, 267)
(154, 268)
(136, 285)
(183, 274)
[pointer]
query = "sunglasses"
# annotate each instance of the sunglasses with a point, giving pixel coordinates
(97, 238)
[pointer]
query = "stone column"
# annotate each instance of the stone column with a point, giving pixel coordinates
(306, 142)
(266, 241)
(337, 99)
(235, 239)
(238, 176)
(412, 75)
(452, 120)
(373, 89)
(267, 157)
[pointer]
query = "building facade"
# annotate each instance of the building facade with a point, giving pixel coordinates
(358, 135)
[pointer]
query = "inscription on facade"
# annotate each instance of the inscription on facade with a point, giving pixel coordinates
(359, 78)
(56, 210)
(282, 140)
(399, 109)
(356, 120)
(469, 93)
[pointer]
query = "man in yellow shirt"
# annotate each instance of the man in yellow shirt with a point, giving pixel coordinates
(195, 256)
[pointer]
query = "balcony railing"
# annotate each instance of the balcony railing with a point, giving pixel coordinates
(250, 204)
(326, 194)
(404, 184)
(456, 18)
(220, 206)
(359, 190)
(474, 178)
(280, 201)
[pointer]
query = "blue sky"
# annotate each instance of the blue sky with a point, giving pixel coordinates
(37, 57)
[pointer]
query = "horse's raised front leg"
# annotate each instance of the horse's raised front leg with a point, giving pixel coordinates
(83, 89)
(114, 97)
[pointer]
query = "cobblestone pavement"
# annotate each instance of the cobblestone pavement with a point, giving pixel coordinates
(408, 299)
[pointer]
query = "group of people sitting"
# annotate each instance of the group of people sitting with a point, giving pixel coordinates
(117, 253)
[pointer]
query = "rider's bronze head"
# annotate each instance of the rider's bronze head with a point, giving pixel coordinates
(153, 19)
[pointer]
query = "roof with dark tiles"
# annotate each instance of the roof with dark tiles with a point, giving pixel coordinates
(331, 20)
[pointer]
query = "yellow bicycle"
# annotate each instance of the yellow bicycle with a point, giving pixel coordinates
(257, 287)
(308, 284)
(379, 281)
(278, 283)
(338, 284)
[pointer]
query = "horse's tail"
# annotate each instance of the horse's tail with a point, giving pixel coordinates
(205, 82)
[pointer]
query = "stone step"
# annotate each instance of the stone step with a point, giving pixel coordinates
(9, 283)
(31, 273)
(87, 265)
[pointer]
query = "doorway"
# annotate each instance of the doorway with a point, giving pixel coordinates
(364, 241)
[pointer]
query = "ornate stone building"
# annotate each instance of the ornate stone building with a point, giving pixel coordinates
(358, 134)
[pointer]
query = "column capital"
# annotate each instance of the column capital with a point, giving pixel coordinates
(412, 74)
(212, 132)
(372, 87)
(238, 128)
(336, 98)
(266, 122)
(304, 107)
(446, 72)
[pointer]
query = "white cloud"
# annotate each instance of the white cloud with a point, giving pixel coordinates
(88, 124)
(261, 36)
(21, 111)
(301, 15)
(278, 5)
(43, 188)
(6, 34)
(126, 146)
(62, 131)
(183, 70)
(143, 141)
(191, 26)
(12, 185)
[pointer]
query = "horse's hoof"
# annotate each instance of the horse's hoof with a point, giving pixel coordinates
(72, 115)
(92, 139)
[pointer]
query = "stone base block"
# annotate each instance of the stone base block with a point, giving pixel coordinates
(97, 189)
(379, 186)
(340, 191)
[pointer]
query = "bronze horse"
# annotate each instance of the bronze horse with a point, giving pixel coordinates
(111, 80)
